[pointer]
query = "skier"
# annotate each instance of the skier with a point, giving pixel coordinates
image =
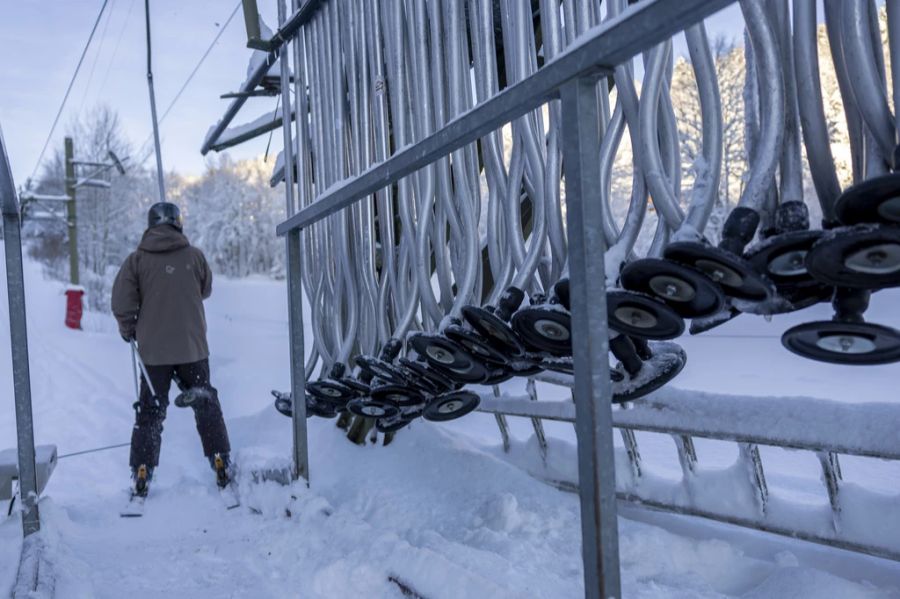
(157, 299)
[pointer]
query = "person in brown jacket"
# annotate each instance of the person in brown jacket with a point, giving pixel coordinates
(157, 299)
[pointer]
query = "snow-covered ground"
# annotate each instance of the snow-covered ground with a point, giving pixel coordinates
(442, 510)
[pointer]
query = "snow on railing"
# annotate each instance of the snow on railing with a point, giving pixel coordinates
(826, 428)
(238, 134)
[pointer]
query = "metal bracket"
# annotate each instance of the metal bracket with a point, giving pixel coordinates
(749, 456)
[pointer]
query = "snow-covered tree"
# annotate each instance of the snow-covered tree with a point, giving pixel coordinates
(109, 220)
(231, 213)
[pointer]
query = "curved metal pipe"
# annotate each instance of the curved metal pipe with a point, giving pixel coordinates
(762, 170)
(664, 199)
(866, 83)
(705, 190)
(813, 124)
(855, 126)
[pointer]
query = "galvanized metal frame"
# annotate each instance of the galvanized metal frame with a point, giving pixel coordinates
(286, 33)
(571, 77)
(18, 336)
(629, 421)
(295, 292)
(590, 349)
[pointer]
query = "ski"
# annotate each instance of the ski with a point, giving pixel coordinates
(134, 508)
(229, 496)
(227, 487)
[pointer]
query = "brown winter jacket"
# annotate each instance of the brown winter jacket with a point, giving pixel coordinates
(158, 298)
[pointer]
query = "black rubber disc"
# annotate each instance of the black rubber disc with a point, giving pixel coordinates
(667, 362)
(371, 408)
(862, 257)
(497, 376)
(783, 258)
(736, 276)
(425, 378)
(544, 328)
(475, 344)
(358, 386)
(876, 200)
(685, 289)
(495, 330)
(380, 369)
(844, 342)
(317, 408)
(641, 315)
(439, 351)
(331, 392)
(451, 406)
(285, 406)
(402, 397)
(470, 373)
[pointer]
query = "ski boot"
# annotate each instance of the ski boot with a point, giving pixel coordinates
(222, 466)
(141, 477)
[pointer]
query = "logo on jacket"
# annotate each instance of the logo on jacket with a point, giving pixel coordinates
(169, 269)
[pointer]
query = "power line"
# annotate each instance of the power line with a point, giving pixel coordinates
(90, 79)
(116, 49)
(200, 63)
(191, 76)
(69, 88)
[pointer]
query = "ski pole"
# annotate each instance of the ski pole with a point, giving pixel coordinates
(137, 389)
(137, 356)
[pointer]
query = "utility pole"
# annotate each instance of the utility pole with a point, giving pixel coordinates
(71, 216)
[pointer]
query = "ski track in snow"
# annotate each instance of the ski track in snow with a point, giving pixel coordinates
(442, 509)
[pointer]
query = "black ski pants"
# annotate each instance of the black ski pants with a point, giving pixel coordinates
(150, 412)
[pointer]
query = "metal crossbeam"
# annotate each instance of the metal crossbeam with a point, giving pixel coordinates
(285, 33)
(231, 112)
(614, 42)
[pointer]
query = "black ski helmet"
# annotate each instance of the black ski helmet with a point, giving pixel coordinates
(164, 213)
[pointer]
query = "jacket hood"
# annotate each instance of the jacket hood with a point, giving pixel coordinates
(164, 238)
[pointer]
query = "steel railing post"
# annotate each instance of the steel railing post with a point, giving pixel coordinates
(18, 339)
(294, 276)
(298, 368)
(593, 407)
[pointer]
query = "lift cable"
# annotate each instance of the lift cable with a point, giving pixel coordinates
(69, 89)
(199, 63)
(189, 78)
(95, 450)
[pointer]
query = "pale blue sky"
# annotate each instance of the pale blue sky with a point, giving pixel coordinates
(41, 40)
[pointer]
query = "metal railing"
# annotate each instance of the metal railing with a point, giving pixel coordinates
(753, 423)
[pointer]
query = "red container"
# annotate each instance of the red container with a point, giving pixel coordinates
(74, 308)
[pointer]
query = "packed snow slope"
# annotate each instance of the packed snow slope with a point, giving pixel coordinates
(442, 511)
